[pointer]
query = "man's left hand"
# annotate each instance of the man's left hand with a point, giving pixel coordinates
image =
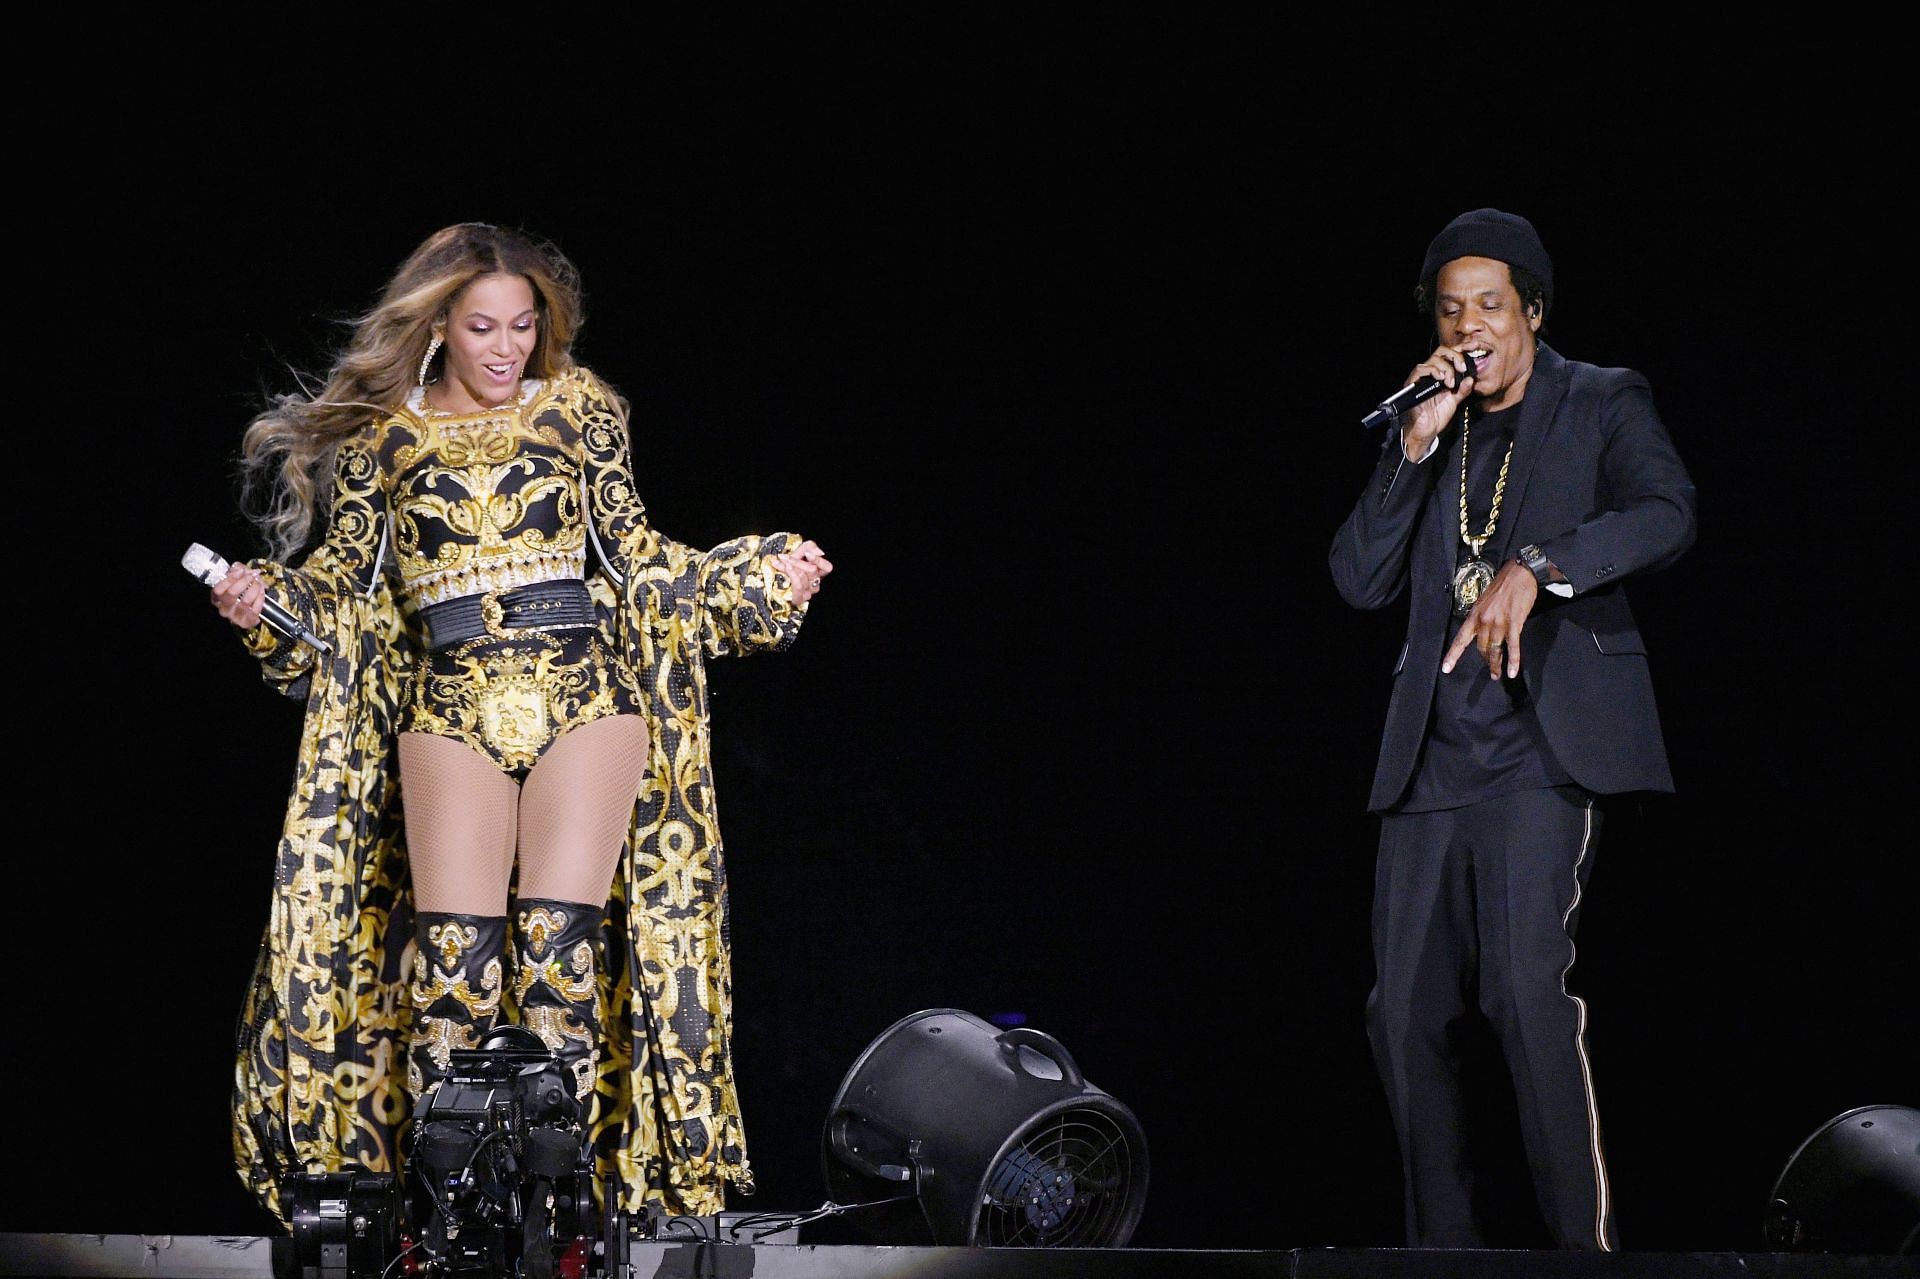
(1494, 624)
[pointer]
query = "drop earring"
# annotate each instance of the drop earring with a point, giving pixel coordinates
(433, 349)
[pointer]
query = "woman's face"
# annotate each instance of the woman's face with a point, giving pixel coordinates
(491, 331)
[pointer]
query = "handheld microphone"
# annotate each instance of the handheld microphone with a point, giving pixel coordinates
(210, 568)
(1420, 391)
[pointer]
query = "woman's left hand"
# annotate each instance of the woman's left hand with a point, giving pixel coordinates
(804, 566)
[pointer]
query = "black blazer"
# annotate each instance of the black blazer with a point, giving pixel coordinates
(1596, 483)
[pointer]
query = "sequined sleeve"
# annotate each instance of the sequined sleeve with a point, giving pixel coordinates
(613, 503)
(346, 562)
(742, 603)
(746, 603)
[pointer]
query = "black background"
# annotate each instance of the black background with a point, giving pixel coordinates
(1060, 357)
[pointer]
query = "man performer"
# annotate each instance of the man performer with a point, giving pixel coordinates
(1512, 504)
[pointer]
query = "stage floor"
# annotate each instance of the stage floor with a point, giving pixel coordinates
(235, 1257)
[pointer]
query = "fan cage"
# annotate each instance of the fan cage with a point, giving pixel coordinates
(1082, 1201)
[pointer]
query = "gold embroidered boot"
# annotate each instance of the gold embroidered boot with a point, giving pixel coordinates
(455, 991)
(555, 982)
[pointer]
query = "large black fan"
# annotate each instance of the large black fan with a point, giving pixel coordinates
(1853, 1186)
(983, 1136)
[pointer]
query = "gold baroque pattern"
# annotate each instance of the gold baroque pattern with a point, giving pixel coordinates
(485, 502)
(557, 1013)
(510, 699)
(320, 1076)
(447, 977)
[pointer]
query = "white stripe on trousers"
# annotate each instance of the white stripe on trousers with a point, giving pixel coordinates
(1602, 1196)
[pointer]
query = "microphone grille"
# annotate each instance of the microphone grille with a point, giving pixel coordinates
(204, 564)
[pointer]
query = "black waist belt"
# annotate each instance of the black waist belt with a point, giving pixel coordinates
(545, 606)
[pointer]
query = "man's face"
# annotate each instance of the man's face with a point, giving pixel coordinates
(1477, 311)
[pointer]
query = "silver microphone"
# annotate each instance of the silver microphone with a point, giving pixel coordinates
(210, 568)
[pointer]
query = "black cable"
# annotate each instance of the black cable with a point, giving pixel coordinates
(832, 1209)
(697, 1226)
(705, 1262)
(825, 1210)
(478, 1146)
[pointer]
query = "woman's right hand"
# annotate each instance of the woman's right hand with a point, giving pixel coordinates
(1422, 426)
(239, 596)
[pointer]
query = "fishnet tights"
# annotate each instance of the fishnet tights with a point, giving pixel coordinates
(466, 819)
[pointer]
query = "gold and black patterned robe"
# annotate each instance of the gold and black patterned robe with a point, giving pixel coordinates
(320, 1082)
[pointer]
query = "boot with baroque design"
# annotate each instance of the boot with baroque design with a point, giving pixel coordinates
(456, 990)
(555, 982)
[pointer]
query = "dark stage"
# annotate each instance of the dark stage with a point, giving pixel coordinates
(214, 1257)
(1061, 359)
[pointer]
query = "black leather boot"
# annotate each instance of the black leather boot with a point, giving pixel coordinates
(555, 982)
(456, 990)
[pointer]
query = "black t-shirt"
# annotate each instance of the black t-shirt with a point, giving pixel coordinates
(1483, 739)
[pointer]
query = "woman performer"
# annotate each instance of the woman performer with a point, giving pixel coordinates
(515, 659)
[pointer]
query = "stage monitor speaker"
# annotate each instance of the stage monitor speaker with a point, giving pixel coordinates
(1852, 1187)
(985, 1136)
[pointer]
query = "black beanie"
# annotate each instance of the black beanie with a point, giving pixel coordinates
(1489, 233)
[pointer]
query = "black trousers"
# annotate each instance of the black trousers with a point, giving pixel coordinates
(1474, 911)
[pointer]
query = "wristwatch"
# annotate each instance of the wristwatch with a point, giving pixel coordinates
(1537, 563)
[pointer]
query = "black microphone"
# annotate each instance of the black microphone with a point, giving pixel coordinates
(210, 568)
(1422, 390)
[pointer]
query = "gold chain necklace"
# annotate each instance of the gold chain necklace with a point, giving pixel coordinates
(1473, 577)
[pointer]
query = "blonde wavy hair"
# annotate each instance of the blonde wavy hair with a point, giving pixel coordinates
(288, 451)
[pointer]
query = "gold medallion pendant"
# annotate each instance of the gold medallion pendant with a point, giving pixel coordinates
(1472, 578)
(1469, 581)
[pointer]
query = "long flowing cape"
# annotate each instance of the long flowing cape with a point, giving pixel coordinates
(320, 1080)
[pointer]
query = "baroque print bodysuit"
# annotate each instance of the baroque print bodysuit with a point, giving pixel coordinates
(486, 516)
(510, 508)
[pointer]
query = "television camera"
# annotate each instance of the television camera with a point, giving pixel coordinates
(499, 1183)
